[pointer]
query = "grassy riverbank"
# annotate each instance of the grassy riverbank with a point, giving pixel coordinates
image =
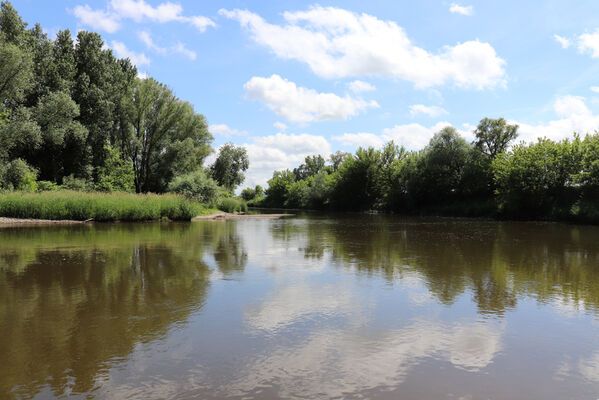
(81, 206)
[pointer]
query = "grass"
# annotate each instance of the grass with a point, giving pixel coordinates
(81, 206)
(232, 205)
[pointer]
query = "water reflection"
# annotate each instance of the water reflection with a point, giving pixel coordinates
(311, 307)
(74, 300)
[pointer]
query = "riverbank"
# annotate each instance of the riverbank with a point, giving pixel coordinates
(221, 216)
(72, 206)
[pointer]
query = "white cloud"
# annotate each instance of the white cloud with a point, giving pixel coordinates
(179, 48)
(225, 130)
(146, 38)
(97, 19)
(360, 140)
(573, 116)
(431, 111)
(413, 136)
(300, 104)
(122, 51)
(337, 43)
(360, 86)
(281, 151)
(595, 89)
(142, 75)
(589, 43)
(139, 11)
(564, 42)
(280, 126)
(458, 9)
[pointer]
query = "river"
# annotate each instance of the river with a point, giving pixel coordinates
(311, 307)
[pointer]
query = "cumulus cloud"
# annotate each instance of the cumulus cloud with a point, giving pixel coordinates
(337, 43)
(97, 19)
(280, 151)
(595, 89)
(463, 10)
(226, 131)
(360, 86)
(589, 43)
(573, 116)
(122, 51)
(360, 140)
(299, 104)
(431, 111)
(564, 42)
(138, 11)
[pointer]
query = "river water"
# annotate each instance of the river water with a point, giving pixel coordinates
(312, 307)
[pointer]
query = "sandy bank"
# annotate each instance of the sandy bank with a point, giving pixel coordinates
(21, 221)
(224, 216)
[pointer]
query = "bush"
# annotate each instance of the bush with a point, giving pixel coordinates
(197, 186)
(72, 183)
(231, 205)
(117, 173)
(18, 175)
(46, 186)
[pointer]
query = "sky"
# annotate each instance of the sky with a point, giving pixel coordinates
(287, 79)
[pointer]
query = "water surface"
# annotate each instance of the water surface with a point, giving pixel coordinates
(365, 307)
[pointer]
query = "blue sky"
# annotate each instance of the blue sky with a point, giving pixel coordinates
(288, 78)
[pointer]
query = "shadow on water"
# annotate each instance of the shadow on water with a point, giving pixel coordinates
(76, 299)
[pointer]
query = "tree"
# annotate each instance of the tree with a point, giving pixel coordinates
(116, 174)
(494, 135)
(312, 165)
(337, 159)
(15, 74)
(168, 139)
(278, 188)
(195, 185)
(229, 166)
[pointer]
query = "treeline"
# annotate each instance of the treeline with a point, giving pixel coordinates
(74, 116)
(450, 176)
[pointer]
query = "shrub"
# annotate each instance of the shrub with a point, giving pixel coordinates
(72, 183)
(18, 175)
(195, 185)
(116, 174)
(46, 186)
(231, 205)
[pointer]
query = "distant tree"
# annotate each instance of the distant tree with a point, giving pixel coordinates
(229, 167)
(494, 135)
(196, 185)
(248, 194)
(259, 191)
(337, 159)
(312, 165)
(278, 188)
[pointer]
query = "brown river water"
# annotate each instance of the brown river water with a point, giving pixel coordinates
(311, 307)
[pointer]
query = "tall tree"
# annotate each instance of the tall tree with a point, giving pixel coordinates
(229, 167)
(494, 135)
(169, 138)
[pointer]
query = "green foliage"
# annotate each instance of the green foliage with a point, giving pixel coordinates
(232, 205)
(63, 204)
(312, 165)
(46, 186)
(537, 180)
(116, 174)
(494, 135)
(71, 182)
(248, 194)
(278, 188)
(197, 186)
(230, 164)
(18, 175)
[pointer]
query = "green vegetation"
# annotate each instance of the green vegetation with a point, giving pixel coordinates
(542, 180)
(232, 205)
(74, 117)
(65, 204)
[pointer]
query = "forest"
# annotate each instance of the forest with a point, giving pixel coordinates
(494, 176)
(73, 116)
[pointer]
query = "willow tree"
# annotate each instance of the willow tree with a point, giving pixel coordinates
(168, 139)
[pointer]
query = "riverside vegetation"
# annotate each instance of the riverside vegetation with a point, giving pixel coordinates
(72, 116)
(485, 178)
